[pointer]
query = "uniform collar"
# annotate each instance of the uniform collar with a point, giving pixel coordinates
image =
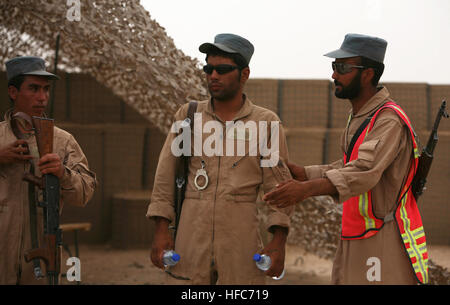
(8, 114)
(245, 110)
(7, 118)
(375, 102)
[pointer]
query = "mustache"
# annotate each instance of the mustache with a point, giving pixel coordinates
(336, 83)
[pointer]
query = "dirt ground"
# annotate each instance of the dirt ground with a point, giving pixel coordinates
(104, 265)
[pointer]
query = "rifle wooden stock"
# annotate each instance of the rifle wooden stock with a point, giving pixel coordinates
(43, 129)
(50, 253)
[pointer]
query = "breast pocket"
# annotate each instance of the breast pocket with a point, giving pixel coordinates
(245, 175)
(366, 151)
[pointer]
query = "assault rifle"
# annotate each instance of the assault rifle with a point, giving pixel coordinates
(426, 157)
(50, 252)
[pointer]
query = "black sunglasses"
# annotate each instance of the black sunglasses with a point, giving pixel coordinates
(344, 68)
(221, 69)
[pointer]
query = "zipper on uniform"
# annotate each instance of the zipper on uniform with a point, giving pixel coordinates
(214, 211)
(214, 207)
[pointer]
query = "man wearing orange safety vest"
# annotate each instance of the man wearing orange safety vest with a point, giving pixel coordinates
(382, 239)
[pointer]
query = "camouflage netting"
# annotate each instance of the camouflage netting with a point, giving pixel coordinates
(116, 42)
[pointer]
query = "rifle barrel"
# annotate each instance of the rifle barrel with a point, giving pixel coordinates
(432, 140)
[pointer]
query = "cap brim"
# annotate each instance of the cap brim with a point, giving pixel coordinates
(43, 73)
(339, 53)
(207, 47)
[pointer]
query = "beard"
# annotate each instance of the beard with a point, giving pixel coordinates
(224, 93)
(351, 91)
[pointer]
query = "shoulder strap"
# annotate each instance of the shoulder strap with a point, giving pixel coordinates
(356, 136)
(358, 133)
(192, 108)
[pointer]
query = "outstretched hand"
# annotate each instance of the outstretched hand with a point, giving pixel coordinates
(292, 191)
(287, 193)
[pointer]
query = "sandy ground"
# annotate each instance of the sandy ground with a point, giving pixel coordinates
(102, 264)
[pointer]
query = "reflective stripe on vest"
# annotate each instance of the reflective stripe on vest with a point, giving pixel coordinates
(359, 221)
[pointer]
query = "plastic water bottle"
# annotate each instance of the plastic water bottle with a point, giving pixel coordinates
(170, 258)
(263, 262)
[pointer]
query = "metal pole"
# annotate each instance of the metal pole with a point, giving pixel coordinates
(326, 139)
(280, 99)
(52, 98)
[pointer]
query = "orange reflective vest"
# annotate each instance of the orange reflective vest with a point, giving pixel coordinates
(359, 220)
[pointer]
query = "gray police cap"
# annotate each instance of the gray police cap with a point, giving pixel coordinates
(361, 45)
(230, 43)
(27, 65)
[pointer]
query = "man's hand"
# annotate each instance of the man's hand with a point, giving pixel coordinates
(162, 240)
(297, 172)
(287, 193)
(16, 152)
(292, 191)
(276, 250)
(51, 164)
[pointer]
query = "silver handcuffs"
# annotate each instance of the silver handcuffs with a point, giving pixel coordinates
(201, 173)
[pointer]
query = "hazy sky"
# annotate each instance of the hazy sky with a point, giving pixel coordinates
(291, 36)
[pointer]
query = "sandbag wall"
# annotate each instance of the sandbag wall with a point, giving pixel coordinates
(123, 148)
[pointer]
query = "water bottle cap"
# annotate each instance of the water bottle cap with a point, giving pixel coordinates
(176, 257)
(256, 257)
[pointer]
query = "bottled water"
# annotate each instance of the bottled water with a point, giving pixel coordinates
(263, 262)
(170, 258)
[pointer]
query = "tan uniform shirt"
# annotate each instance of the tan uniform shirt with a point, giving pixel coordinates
(383, 162)
(219, 228)
(77, 187)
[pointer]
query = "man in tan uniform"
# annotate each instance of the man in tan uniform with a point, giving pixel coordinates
(218, 232)
(382, 163)
(28, 89)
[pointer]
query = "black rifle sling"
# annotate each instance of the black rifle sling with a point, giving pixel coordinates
(185, 159)
(182, 170)
(25, 122)
(357, 134)
(192, 108)
(181, 176)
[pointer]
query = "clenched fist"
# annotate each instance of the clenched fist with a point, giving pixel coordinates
(51, 164)
(16, 152)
